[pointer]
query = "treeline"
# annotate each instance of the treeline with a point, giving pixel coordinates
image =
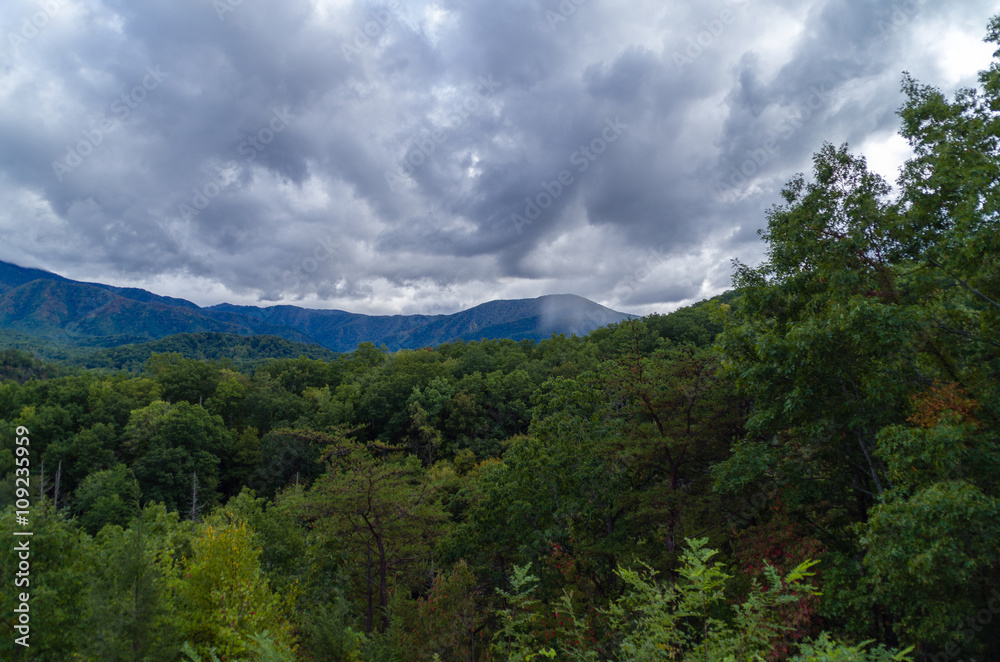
(805, 469)
(238, 352)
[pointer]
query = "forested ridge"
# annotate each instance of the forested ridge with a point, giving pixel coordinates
(805, 468)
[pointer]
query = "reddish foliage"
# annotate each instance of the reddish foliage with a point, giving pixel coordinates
(779, 543)
(941, 402)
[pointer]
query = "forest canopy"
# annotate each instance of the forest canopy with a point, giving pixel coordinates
(805, 468)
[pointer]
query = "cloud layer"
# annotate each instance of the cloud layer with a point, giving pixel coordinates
(428, 156)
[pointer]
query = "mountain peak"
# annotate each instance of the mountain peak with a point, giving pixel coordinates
(46, 305)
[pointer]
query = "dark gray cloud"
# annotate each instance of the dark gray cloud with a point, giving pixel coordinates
(426, 156)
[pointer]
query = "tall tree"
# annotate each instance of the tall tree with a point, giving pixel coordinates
(131, 610)
(818, 338)
(183, 379)
(676, 417)
(60, 556)
(167, 443)
(867, 340)
(105, 497)
(384, 511)
(228, 599)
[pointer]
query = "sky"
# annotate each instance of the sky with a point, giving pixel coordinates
(426, 156)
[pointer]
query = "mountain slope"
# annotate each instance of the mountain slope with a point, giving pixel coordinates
(45, 305)
(242, 350)
(85, 314)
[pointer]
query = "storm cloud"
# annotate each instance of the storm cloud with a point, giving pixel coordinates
(423, 157)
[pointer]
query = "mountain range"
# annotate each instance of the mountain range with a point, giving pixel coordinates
(44, 305)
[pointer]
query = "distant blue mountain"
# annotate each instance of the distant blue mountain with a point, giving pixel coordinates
(45, 305)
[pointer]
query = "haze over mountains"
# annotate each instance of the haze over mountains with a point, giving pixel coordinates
(44, 305)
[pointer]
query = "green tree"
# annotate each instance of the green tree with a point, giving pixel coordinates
(105, 497)
(290, 457)
(268, 405)
(132, 615)
(89, 450)
(866, 311)
(384, 512)
(61, 562)
(817, 339)
(181, 378)
(675, 416)
(689, 619)
(113, 399)
(447, 622)
(228, 400)
(226, 596)
(168, 444)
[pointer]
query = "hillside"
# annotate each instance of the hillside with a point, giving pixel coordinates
(49, 307)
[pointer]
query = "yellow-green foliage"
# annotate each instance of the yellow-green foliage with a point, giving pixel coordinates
(226, 598)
